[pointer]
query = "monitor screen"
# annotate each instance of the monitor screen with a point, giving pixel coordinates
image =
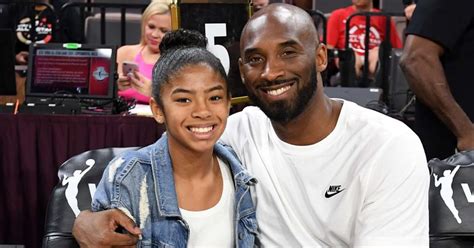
(76, 71)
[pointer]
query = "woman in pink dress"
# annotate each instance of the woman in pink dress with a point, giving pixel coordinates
(156, 21)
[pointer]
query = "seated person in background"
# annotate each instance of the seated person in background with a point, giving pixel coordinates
(185, 175)
(156, 21)
(337, 27)
(46, 21)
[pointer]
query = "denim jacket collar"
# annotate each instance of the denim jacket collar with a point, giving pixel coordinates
(164, 182)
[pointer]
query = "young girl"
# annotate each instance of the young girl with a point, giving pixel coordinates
(185, 190)
(156, 21)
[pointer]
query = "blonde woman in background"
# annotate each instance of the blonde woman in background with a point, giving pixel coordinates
(156, 21)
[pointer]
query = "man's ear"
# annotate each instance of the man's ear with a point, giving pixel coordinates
(157, 111)
(241, 65)
(321, 57)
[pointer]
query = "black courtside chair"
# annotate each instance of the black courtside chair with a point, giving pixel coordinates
(78, 179)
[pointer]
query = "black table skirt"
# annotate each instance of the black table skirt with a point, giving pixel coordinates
(32, 147)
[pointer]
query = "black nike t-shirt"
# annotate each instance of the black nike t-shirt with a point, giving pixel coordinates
(451, 25)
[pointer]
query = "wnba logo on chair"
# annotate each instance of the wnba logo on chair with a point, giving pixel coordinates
(72, 188)
(449, 191)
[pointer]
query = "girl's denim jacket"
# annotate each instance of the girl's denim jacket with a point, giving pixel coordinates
(141, 184)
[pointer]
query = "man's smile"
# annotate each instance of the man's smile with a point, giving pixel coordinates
(278, 89)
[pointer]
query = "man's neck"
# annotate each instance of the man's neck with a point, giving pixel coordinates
(316, 122)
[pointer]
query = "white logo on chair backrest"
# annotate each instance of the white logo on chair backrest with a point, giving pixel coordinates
(72, 186)
(467, 192)
(446, 190)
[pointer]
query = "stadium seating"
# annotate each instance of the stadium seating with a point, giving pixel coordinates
(113, 29)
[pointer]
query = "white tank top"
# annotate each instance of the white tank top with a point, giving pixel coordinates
(214, 227)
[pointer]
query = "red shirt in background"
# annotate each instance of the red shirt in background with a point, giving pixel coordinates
(337, 24)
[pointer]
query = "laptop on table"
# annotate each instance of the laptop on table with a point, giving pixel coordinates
(74, 77)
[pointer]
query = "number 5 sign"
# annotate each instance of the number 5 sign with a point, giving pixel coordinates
(221, 21)
(217, 30)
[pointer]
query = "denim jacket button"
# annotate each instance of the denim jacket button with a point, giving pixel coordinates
(241, 235)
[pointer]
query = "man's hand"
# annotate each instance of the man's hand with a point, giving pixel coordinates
(98, 229)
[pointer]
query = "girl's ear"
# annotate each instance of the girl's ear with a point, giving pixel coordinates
(157, 111)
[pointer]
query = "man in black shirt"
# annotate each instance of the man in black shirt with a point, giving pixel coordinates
(438, 62)
(46, 21)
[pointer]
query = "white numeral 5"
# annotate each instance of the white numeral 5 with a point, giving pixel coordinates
(217, 30)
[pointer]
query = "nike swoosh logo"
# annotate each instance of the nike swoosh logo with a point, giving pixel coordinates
(331, 194)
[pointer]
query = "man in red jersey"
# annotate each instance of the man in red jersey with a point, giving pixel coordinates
(337, 32)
